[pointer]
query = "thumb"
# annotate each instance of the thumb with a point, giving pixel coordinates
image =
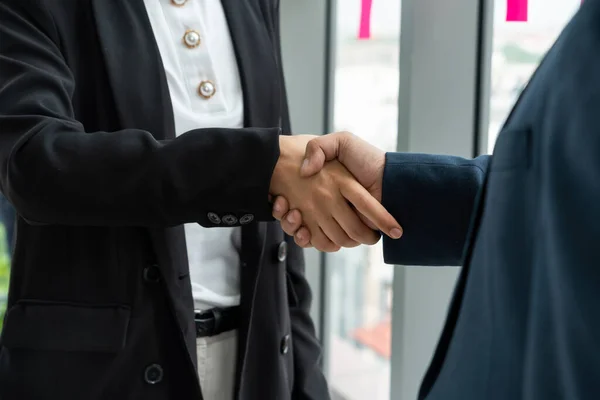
(318, 151)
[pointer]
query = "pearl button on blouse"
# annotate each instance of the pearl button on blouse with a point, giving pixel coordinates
(191, 38)
(202, 74)
(207, 89)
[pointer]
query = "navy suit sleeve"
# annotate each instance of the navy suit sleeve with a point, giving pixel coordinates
(432, 197)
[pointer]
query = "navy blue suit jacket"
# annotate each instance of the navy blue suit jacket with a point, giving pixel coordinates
(524, 322)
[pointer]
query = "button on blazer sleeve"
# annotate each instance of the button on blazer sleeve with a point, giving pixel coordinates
(432, 197)
(56, 172)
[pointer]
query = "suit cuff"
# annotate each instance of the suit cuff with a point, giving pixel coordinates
(432, 198)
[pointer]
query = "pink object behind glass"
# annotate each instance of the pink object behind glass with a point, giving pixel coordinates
(516, 10)
(364, 31)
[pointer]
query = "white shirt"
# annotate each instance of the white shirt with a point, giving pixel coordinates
(202, 73)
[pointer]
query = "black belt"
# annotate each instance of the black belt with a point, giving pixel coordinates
(217, 320)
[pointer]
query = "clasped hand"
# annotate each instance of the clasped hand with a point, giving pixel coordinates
(334, 202)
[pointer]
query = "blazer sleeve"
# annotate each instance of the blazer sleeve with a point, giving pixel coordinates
(56, 172)
(432, 197)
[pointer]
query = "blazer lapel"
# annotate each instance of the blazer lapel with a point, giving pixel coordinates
(134, 67)
(257, 63)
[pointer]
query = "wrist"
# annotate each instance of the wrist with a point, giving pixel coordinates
(292, 150)
(282, 167)
(379, 179)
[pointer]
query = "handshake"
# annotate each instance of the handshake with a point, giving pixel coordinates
(327, 191)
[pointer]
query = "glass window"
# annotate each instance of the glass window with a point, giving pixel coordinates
(518, 48)
(6, 220)
(359, 291)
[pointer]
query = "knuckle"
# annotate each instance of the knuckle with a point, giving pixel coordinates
(303, 232)
(312, 146)
(287, 227)
(288, 230)
(346, 135)
(324, 194)
(281, 200)
(297, 215)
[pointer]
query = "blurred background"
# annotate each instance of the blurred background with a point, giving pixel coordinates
(372, 339)
(4, 272)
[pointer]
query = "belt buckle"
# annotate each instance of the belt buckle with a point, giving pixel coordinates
(210, 322)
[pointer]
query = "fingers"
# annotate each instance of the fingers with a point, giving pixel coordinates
(371, 209)
(280, 208)
(366, 221)
(330, 236)
(351, 223)
(303, 237)
(348, 220)
(292, 222)
(321, 242)
(320, 150)
(344, 229)
(335, 232)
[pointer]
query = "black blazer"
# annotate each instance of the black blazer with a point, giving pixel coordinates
(90, 161)
(524, 322)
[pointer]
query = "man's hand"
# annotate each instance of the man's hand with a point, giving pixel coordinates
(364, 161)
(324, 197)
